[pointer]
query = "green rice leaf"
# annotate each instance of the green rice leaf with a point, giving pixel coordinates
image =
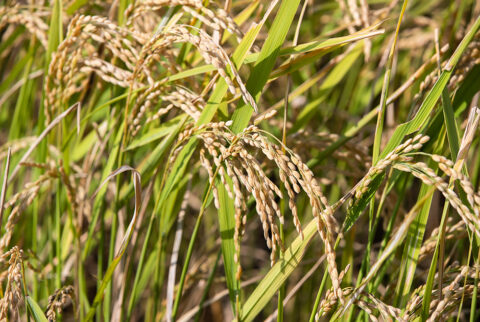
(265, 62)
(431, 100)
(278, 274)
(359, 205)
(37, 312)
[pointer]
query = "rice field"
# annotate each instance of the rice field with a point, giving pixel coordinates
(239, 160)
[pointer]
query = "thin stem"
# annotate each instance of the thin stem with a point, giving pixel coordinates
(386, 83)
(188, 256)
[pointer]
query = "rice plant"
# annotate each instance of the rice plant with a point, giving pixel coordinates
(196, 160)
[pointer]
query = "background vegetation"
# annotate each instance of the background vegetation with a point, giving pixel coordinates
(249, 160)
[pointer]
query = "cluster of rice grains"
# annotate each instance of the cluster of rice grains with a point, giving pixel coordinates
(234, 157)
(12, 296)
(35, 23)
(458, 284)
(134, 59)
(58, 300)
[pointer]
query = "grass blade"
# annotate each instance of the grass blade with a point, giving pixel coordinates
(37, 312)
(226, 221)
(277, 275)
(128, 234)
(430, 101)
(264, 65)
(55, 33)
